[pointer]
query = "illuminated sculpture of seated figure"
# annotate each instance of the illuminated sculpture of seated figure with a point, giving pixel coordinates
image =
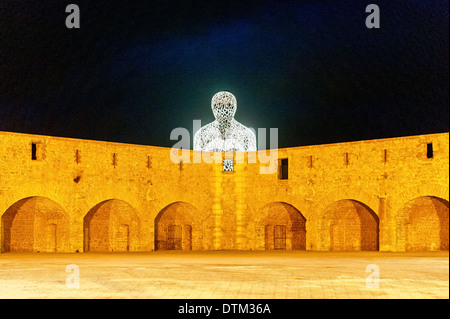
(225, 134)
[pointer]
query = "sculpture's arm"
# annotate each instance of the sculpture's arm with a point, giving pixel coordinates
(251, 142)
(198, 143)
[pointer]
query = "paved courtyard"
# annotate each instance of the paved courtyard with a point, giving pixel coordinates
(225, 274)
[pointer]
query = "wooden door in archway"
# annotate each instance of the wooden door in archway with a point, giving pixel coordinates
(174, 237)
(51, 237)
(187, 237)
(122, 240)
(279, 237)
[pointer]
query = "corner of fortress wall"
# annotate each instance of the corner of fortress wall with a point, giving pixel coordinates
(89, 182)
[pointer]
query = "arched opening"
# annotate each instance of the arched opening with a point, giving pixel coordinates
(426, 224)
(35, 224)
(174, 226)
(111, 226)
(284, 227)
(352, 225)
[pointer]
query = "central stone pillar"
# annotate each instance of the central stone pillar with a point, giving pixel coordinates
(216, 208)
(241, 205)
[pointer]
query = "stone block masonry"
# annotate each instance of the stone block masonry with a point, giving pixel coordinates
(66, 195)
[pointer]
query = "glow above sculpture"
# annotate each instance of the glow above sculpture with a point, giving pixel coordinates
(225, 134)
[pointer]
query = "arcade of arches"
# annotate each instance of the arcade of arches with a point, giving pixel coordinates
(39, 224)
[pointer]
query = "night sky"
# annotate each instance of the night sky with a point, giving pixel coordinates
(136, 70)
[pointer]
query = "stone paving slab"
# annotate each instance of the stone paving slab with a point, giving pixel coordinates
(226, 275)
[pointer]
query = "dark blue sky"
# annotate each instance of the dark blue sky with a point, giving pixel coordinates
(135, 70)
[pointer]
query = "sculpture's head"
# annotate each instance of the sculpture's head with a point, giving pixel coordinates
(224, 106)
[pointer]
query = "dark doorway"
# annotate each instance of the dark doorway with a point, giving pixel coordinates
(174, 237)
(279, 237)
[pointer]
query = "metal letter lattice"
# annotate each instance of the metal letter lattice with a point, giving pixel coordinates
(225, 134)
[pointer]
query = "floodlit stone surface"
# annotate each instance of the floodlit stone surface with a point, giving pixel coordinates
(225, 274)
(78, 195)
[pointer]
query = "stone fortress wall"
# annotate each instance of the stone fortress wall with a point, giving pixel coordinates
(66, 195)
